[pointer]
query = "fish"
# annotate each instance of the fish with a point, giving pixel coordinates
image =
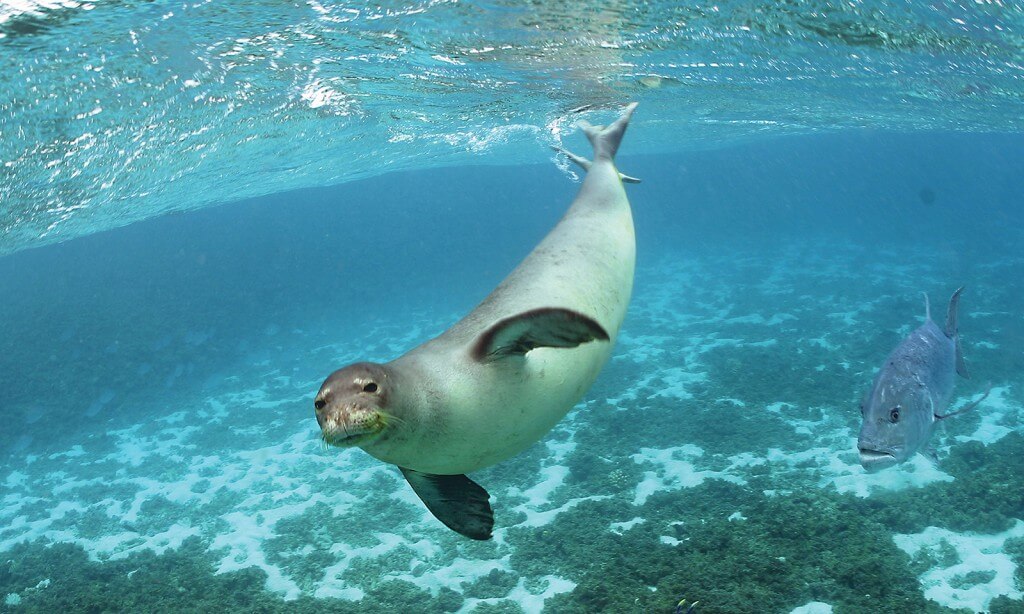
(911, 392)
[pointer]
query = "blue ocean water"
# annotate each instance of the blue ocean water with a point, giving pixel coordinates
(209, 206)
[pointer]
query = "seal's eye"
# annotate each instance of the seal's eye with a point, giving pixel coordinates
(894, 414)
(371, 387)
(319, 403)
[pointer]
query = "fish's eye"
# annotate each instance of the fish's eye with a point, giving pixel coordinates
(894, 414)
(371, 387)
(319, 403)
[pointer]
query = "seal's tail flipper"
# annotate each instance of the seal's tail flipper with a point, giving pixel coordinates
(605, 140)
(457, 501)
(953, 332)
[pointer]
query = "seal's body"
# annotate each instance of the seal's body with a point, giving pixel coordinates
(503, 376)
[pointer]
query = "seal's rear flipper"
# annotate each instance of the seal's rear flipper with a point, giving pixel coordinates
(457, 501)
(606, 139)
(953, 332)
(545, 327)
(585, 164)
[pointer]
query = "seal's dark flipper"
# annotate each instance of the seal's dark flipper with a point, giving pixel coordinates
(544, 327)
(457, 501)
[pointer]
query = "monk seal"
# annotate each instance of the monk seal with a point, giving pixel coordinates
(500, 378)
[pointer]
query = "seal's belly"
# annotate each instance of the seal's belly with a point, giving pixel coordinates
(480, 413)
(511, 406)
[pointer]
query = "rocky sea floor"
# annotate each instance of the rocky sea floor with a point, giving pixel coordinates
(714, 460)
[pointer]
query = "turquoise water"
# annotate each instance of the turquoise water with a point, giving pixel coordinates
(808, 170)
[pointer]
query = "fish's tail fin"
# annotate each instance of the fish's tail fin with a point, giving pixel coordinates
(605, 141)
(953, 332)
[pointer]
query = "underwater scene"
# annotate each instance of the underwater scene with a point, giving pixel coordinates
(316, 306)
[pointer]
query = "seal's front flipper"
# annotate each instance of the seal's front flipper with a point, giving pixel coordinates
(544, 327)
(457, 501)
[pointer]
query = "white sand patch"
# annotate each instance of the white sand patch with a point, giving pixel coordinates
(421, 571)
(823, 343)
(814, 607)
(74, 452)
(676, 380)
(674, 471)
(981, 555)
(736, 516)
(461, 571)
(530, 602)
(641, 349)
(15, 479)
(244, 546)
(777, 407)
(539, 519)
(167, 444)
(775, 320)
(627, 400)
(552, 477)
(176, 417)
(622, 527)
(995, 410)
(914, 473)
(842, 470)
(113, 546)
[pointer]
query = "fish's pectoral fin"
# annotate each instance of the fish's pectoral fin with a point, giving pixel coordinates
(967, 407)
(457, 501)
(545, 327)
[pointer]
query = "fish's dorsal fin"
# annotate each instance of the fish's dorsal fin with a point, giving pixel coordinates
(953, 332)
(457, 501)
(545, 327)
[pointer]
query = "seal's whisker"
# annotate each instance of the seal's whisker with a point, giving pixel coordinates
(392, 419)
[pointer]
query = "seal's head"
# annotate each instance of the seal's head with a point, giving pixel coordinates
(350, 407)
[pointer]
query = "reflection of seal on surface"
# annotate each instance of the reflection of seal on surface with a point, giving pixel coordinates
(503, 376)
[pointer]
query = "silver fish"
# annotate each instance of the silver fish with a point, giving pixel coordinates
(911, 392)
